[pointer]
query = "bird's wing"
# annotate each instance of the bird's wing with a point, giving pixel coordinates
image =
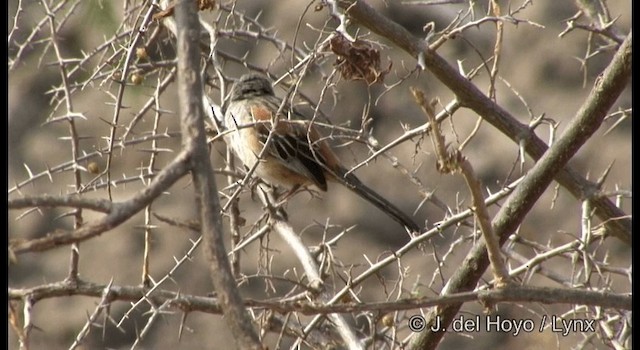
(290, 145)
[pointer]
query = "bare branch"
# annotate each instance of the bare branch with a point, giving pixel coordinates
(106, 118)
(214, 305)
(470, 96)
(522, 199)
(100, 205)
(119, 213)
(194, 139)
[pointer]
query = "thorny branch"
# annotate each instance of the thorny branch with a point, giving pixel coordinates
(358, 287)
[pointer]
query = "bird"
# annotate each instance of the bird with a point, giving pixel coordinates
(296, 155)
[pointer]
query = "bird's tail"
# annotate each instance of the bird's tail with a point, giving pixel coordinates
(355, 185)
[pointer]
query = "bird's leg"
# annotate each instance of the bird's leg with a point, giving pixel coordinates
(285, 197)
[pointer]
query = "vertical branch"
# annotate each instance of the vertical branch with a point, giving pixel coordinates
(118, 99)
(190, 93)
(234, 219)
(450, 162)
(146, 280)
(27, 325)
(148, 227)
(495, 8)
(586, 237)
(77, 213)
(18, 323)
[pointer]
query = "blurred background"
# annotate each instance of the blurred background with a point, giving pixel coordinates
(540, 73)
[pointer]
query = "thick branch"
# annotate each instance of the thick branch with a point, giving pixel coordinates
(523, 198)
(589, 118)
(617, 222)
(194, 139)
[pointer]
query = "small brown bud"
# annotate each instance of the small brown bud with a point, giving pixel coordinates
(116, 75)
(136, 78)
(141, 53)
(388, 320)
(93, 168)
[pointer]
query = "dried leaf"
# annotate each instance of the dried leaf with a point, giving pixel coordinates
(357, 60)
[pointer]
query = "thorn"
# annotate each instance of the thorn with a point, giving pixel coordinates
(602, 178)
(107, 122)
(63, 215)
(182, 323)
(28, 212)
(28, 170)
(49, 172)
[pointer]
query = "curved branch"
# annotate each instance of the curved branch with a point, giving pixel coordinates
(119, 213)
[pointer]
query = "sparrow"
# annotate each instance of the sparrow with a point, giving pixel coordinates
(296, 155)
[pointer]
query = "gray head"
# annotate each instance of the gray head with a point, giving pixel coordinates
(251, 85)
